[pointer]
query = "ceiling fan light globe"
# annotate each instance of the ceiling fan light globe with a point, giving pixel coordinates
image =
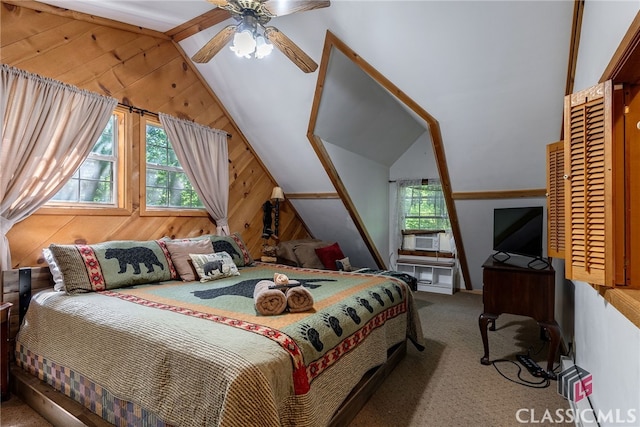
(243, 44)
(263, 47)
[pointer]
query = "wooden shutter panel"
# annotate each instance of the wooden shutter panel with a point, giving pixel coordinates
(589, 185)
(555, 200)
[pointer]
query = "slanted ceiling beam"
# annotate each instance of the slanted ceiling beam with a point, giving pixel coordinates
(68, 13)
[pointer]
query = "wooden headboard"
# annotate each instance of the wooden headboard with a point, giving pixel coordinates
(17, 287)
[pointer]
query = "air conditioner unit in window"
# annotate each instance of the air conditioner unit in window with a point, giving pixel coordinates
(427, 242)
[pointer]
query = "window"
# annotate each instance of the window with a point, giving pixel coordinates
(167, 186)
(95, 183)
(423, 207)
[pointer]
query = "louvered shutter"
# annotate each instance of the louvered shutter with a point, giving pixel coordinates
(589, 185)
(555, 200)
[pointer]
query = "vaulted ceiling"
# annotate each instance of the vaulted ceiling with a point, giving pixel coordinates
(493, 73)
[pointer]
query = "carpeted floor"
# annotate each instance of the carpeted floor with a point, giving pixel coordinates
(15, 413)
(447, 386)
(443, 386)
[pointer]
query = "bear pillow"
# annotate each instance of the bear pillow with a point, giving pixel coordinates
(214, 266)
(114, 264)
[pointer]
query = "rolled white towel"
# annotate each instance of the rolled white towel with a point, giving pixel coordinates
(299, 299)
(267, 301)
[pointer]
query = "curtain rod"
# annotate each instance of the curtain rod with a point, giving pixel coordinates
(142, 112)
(424, 181)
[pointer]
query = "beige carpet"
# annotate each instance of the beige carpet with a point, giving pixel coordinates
(443, 386)
(447, 386)
(15, 413)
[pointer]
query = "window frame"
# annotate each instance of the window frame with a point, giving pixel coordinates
(403, 200)
(155, 210)
(122, 200)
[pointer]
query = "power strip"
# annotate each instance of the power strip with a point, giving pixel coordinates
(531, 365)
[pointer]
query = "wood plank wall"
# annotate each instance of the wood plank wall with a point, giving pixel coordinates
(150, 73)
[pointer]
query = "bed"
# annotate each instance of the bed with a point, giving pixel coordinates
(198, 354)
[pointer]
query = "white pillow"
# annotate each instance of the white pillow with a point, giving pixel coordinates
(55, 270)
(214, 266)
(344, 264)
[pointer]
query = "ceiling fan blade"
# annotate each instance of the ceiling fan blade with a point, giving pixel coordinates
(290, 49)
(283, 7)
(219, 3)
(214, 45)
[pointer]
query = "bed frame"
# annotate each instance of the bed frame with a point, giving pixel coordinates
(17, 287)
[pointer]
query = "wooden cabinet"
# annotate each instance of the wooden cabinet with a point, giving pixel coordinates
(516, 288)
(434, 275)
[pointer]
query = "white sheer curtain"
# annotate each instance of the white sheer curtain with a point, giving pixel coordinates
(400, 212)
(48, 130)
(204, 156)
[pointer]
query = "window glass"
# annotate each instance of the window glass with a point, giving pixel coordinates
(167, 186)
(424, 207)
(95, 181)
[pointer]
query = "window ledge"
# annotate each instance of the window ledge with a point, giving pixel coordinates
(83, 210)
(626, 301)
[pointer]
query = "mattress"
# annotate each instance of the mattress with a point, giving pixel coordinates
(198, 354)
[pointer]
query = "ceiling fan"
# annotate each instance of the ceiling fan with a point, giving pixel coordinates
(250, 36)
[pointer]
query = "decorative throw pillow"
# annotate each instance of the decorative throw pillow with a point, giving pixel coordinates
(180, 250)
(307, 257)
(58, 281)
(233, 245)
(214, 266)
(111, 265)
(285, 249)
(343, 264)
(329, 255)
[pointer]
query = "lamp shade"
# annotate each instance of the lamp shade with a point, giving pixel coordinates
(263, 47)
(277, 194)
(244, 44)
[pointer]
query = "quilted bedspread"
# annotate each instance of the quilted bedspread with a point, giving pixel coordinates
(198, 353)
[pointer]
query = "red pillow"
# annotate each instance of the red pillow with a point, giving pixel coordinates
(329, 255)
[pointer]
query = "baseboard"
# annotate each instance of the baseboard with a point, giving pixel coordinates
(470, 291)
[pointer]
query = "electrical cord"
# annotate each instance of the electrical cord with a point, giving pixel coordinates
(543, 383)
(531, 352)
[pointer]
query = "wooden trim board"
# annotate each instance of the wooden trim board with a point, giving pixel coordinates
(499, 194)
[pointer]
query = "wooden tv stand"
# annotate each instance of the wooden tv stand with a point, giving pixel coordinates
(513, 287)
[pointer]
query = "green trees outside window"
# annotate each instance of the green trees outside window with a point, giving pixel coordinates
(424, 207)
(167, 185)
(94, 181)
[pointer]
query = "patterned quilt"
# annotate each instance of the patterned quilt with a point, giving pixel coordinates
(349, 308)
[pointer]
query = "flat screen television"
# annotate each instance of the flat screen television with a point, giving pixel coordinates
(518, 231)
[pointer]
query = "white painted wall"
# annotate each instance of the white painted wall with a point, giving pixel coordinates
(418, 162)
(366, 182)
(476, 223)
(335, 225)
(607, 344)
(604, 24)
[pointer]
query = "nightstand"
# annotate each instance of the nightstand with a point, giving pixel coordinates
(516, 288)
